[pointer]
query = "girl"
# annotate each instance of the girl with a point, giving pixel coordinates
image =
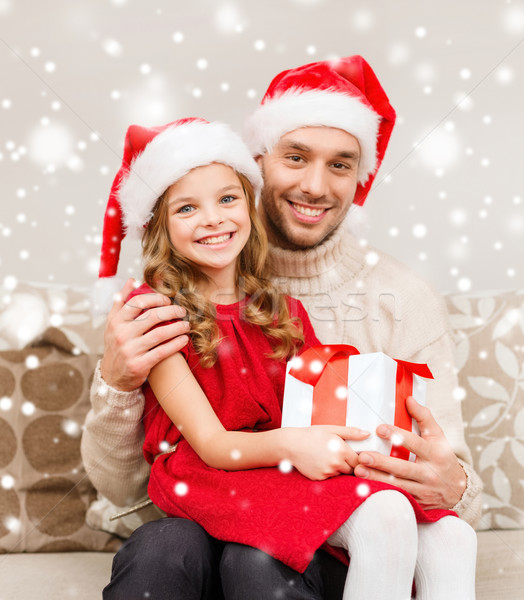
(213, 411)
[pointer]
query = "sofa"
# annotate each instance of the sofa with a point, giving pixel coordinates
(49, 345)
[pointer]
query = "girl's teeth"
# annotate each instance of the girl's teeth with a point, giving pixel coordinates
(216, 240)
(309, 212)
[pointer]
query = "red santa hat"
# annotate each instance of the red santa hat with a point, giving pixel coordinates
(155, 158)
(344, 94)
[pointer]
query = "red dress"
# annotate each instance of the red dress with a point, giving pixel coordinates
(284, 514)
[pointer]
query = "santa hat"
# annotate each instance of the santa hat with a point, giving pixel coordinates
(344, 94)
(155, 158)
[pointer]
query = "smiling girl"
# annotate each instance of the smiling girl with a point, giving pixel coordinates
(213, 411)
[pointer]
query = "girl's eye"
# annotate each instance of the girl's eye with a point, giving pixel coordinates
(227, 199)
(185, 209)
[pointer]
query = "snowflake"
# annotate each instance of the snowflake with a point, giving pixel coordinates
(7, 482)
(181, 488)
(13, 524)
(315, 366)
(363, 20)
(71, 428)
(341, 393)
(6, 403)
(163, 446)
(102, 390)
(398, 53)
(334, 444)
(32, 361)
(419, 230)
(362, 490)
(513, 20)
(285, 466)
(464, 284)
(296, 363)
(397, 439)
(112, 47)
(459, 393)
(227, 19)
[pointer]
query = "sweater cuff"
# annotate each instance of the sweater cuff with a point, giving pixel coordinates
(467, 507)
(114, 397)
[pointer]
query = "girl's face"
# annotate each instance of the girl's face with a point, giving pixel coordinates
(208, 218)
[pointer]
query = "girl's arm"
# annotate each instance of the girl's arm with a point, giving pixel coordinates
(317, 452)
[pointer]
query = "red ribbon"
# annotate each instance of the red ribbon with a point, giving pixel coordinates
(330, 409)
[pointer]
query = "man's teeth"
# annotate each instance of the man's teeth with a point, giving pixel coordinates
(215, 240)
(309, 212)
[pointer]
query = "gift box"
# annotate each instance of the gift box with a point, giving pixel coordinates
(336, 385)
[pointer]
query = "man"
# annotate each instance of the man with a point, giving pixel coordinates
(319, 136)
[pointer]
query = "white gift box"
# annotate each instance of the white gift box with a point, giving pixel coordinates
(334, 385)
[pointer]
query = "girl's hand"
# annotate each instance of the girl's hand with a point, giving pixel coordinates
(320, 451)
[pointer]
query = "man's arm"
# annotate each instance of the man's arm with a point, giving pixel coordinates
(113, 435)
(112, 443)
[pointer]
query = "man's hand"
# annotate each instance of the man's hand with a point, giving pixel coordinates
(435, 479)
(131, 346)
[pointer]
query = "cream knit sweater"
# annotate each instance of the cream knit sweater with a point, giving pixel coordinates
(354, 295)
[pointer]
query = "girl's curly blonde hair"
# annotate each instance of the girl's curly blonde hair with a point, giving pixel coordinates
(170, 273)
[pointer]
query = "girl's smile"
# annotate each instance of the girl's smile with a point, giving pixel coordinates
(218, 240)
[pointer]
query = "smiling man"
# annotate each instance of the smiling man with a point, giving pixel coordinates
(319, 136)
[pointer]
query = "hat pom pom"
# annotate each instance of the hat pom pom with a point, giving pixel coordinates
(357, 221)
(104, 294)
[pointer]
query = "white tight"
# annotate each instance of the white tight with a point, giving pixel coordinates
(388, 549)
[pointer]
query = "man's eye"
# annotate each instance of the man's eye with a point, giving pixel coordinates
(185, 209)
(339, 166)
(295, 158)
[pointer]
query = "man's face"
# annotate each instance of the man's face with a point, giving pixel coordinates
(310, 179)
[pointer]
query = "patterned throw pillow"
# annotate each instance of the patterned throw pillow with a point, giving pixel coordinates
(44, 491)
(489, 331)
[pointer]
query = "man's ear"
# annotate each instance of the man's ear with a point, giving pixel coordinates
(259, 159)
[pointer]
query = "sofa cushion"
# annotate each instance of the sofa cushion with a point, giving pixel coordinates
(66, 576)
(44, 491)
(489, 331)
(500, 565)
(27, 310)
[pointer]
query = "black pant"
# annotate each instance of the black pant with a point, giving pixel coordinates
(175, 559)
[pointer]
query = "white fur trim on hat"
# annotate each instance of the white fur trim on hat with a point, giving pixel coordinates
(172, 154)
(298, 108)
(104, 293)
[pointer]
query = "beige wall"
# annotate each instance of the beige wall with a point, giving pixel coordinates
(76, 73)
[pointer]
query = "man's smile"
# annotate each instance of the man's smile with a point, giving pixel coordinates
(307, 214)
